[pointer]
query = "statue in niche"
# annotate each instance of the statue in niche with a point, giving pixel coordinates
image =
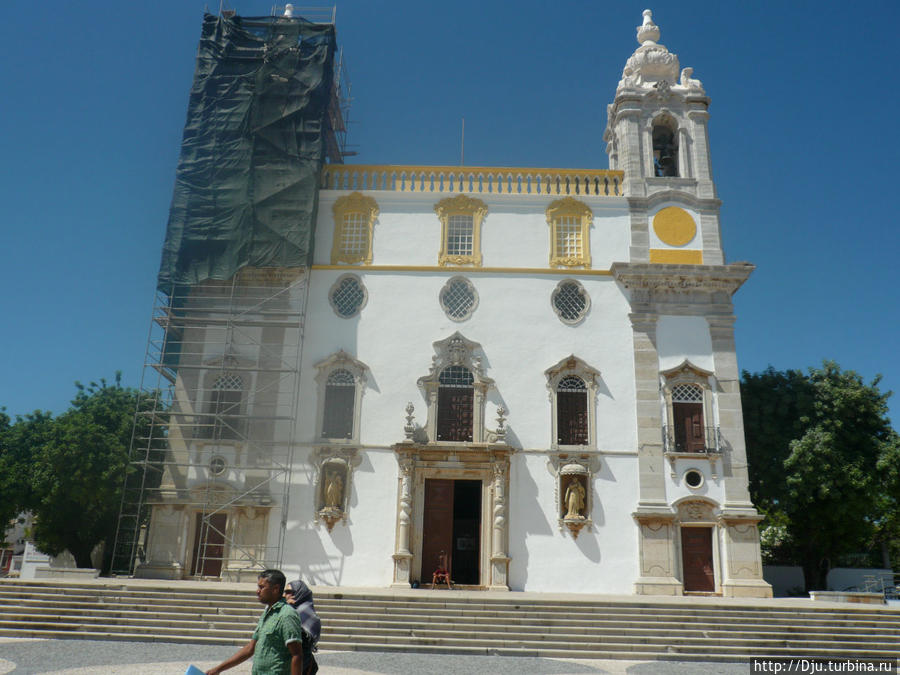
(575, 500)
(334, 490)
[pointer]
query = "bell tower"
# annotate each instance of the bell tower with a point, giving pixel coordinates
(679, 289)
(657, 122)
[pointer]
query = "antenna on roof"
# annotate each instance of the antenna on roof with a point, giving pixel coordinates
(462, 144)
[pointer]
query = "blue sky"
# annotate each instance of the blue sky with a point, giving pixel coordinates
(803, 135)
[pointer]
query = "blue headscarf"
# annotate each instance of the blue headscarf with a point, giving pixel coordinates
(303, 603)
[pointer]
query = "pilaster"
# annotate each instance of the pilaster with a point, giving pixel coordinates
(731, 421)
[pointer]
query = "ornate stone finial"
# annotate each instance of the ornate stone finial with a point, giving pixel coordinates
(648, 32)
(501, 419)
(409, 428)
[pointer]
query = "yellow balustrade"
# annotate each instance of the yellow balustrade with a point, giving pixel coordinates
(477, 180)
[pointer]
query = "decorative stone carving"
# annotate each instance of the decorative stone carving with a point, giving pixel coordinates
(456, 350)
(333, 481)
(573, 490)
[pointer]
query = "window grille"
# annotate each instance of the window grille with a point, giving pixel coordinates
(347, 296)
(570, 302)
(355, 235)
(568, 237)
(571, 411)
(687, 393)
(340, 395)
(222, 421)
(456, 398)
(460, 235)
(458, 299)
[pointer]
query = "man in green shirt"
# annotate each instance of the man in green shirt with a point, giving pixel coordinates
(276, 642)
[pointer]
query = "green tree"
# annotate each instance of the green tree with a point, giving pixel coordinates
(817, 446)
(16, 443)
(77, 470)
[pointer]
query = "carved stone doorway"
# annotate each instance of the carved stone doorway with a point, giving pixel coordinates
(697, 559)
(209, 545)
(451, 524)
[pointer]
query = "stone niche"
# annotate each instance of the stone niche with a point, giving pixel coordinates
(334, 477)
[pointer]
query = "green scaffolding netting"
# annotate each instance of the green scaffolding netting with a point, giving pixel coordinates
(246, 187)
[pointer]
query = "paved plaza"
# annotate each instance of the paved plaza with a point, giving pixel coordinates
(90, 657)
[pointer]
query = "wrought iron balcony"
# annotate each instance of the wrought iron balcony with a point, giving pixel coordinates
(712, 442)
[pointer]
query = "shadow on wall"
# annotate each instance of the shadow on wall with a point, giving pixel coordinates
(530, 520)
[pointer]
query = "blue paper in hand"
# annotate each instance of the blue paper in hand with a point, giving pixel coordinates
(194, 670)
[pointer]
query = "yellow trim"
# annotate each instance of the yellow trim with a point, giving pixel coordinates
(674, 226)
(355, 203)
(665, 255)
(568, 207)
(474, 179)
(460, 205)
(486, 270)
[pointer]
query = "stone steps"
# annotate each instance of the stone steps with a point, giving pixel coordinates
(708, 629)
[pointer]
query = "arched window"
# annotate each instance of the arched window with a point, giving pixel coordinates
(341, 380)
(665, 147)
(340, 395)
(690, 410)
(572, 411)
(224, 420)
(456, 398)
(687, 418)
(354, 222)
(573, 396)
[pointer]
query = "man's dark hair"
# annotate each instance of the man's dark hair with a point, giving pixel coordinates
(274, 578)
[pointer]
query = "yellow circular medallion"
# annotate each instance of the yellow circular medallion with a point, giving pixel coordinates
(674, 226)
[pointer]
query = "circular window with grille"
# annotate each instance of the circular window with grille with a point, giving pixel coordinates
(570, 302)
(217, 465)
(693, 478)
(458, 298)
(348, 296)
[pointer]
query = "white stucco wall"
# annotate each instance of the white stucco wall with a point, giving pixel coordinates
(520, 337)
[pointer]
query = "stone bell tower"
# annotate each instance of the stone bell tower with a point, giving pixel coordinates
(682, 317)
(657, 134)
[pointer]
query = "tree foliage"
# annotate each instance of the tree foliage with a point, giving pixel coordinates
(69, 470)
(823, 466)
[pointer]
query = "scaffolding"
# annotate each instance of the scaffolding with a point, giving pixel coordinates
(207, 490)
(214, 438)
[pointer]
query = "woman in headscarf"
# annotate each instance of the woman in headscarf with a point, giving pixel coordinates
(298, 596)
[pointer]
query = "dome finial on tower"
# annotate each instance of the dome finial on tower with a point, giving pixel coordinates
(648, 32)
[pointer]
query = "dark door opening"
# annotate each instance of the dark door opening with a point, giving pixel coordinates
(697, 559)
(452, 524)
(209, 545)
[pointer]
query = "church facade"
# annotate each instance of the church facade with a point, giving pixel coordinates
(526, 377)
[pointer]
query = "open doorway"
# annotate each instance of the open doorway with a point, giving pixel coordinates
(452, 524)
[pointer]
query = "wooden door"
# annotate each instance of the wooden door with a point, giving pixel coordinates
(689, 432)
(697, 559)
(209, 545)
(437, 526)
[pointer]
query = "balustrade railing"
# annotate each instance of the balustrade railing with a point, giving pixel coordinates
(712, 441)
(478, 180)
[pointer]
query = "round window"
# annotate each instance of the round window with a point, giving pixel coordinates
(347, 296)
(458, 298)
(217, 465)
(693, 478)
(570, 302)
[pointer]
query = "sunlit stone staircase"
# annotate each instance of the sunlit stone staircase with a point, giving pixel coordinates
(461, 622)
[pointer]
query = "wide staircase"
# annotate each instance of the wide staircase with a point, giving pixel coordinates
(461, 622)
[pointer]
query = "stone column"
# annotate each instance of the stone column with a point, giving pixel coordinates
(403, 556)
(742, 558)
(499, 529)
(701, 159)
(653, 515)
(731, 420)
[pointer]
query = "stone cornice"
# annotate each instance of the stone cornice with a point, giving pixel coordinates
(668, 278)
(680, 196)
